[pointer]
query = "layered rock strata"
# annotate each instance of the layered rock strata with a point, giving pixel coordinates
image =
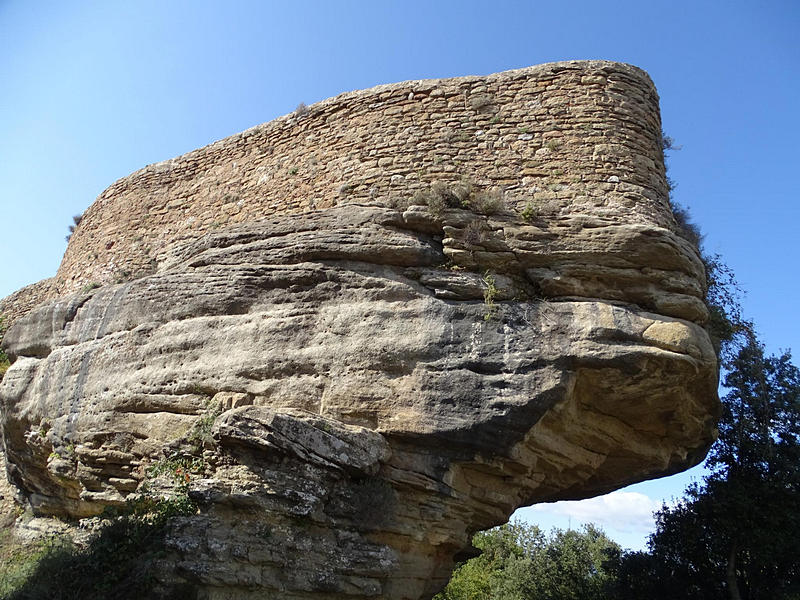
(351, 391)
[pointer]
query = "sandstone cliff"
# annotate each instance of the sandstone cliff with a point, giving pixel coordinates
(370, 328)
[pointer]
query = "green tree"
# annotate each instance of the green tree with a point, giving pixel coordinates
(519, 562)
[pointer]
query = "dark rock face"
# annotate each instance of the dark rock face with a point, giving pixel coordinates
(348, 393)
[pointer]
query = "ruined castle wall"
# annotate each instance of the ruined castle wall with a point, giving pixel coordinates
(581, 136)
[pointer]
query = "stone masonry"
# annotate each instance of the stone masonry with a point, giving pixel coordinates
(570, 136)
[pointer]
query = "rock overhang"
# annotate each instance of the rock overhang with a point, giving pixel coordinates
(556, 353)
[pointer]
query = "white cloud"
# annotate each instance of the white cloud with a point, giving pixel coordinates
(629, 512)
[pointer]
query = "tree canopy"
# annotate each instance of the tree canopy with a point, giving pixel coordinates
(519, 561)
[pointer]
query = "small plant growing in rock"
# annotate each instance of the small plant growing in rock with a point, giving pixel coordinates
(490, 293)
(76, 220)
(487, 203)
(443, 195)
(528, 212)
(473, 234)
(301, 110)
(687, 228)
(435, 204)
(402, 202)
(668, 143)
(462, 192)
(438, 198)
(553, 145)
(446, 194)
(177, 468)
(264, 532)
(200, 433)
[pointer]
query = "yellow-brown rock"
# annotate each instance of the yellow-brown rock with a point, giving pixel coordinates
(377, 325)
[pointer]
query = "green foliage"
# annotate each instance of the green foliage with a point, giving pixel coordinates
(76, 220)
(528, 212)
(119, 559)
(178, 468)
(667, 143)
(200, 433)
(443, 195)
(490, 292)
(519, 562)
(117, 563)
(687, 228)
(17, 562)
(726, 326)
(728, 329)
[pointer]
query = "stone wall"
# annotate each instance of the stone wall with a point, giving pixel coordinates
(567, 136)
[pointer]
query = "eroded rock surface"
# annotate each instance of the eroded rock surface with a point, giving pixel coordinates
(355, 390)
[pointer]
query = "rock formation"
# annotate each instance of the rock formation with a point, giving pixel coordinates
(362, 332)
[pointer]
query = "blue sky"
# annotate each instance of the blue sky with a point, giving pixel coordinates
(91, 91)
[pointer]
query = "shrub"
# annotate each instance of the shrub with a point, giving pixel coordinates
(200, 433)
(403, 202)
(118, 561)
(528, 212)
(446, 195)
(489, 294)
(667, 143)
(178, 468)
(443, 195)
(76, 220)
(473, 233)
(687, 229)
(487, 203)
